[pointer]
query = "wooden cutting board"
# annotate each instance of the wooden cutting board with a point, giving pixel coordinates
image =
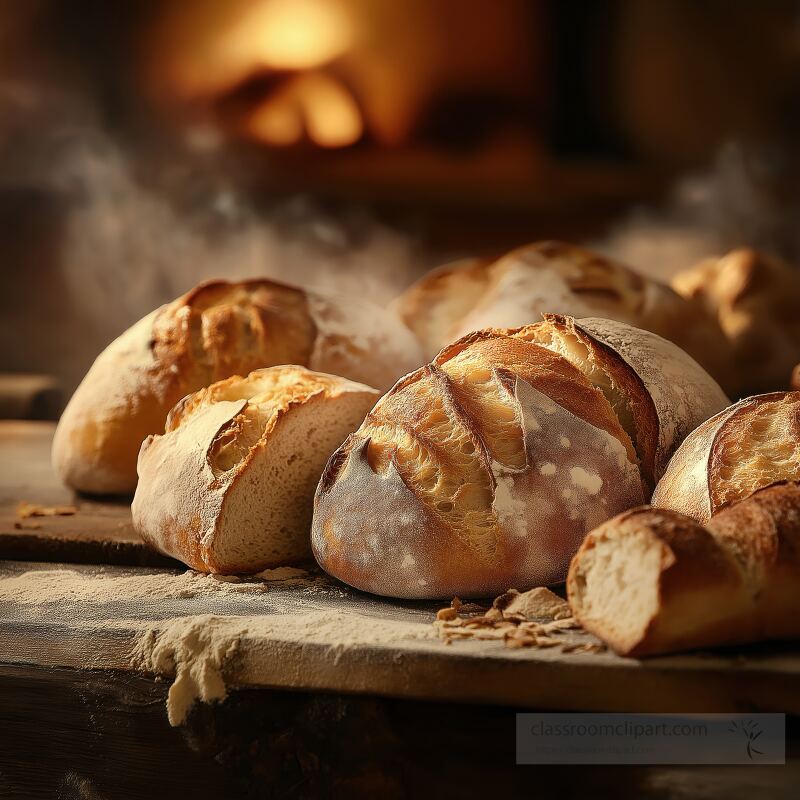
(100, 532)
(314, 633)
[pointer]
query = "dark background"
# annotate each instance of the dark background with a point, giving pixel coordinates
(132, 164)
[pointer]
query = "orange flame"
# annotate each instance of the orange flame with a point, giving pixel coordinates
(312, 104)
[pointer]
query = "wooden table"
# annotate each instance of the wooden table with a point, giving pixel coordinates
(331, 691)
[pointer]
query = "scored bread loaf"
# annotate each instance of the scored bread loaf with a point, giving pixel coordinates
(485, 468)
(756, 299)
(750, 445)
(229, 486)
(214, 331)
(553, 277)
(655, 581)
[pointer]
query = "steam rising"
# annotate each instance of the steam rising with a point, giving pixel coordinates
(133, 248)
(128, 240)
(127, 248)
(737, 203)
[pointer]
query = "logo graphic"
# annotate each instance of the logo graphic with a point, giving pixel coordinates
(750, 730)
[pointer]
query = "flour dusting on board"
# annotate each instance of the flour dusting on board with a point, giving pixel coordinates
(193, 650)
(293, 574)
(58, 585)
(200, 651)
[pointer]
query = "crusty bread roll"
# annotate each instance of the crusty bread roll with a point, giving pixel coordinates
(553, 277)
(756, 300)
(229, 486)
(485, 469)
(216, 330)
(748, 446)
(655, 581)
(795, 383)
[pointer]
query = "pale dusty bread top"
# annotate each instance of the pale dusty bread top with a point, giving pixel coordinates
(516, 288)
(551, 277)
(748, 446)
(216, 437)
(215, 330)
(662, 384)
(621, 385)
(755, 298)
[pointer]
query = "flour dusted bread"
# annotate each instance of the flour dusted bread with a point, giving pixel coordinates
(655, 581)
(748, 446)
(214, 331)
(485, 469)
(229, 486)
(553, 277)
(658, 392)
(755, 298)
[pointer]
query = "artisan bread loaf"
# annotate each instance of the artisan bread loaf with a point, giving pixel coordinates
(229, 485)
(485, 469)
(655, 581)
(553, 277)
(214, 331)
(748, 446)
(756, 299)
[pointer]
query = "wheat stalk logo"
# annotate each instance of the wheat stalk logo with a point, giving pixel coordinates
(751, 730)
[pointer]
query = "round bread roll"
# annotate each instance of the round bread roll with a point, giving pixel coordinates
(216, 330)
(485, 468)
(746, 447)
(553, 277)
(228, 488)
(756, 300)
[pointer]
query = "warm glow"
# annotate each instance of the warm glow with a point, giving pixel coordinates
(327, 71)
(312, 104)
(332, 117)
(288, 34)
(277, 122)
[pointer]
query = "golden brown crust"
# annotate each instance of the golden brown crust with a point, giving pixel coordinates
(479, 471)
(215, 330)
(735, 581)
(755, 298)
(228, 487)
(750, 445)
(220, 329)
(555, 277)
(546, 371)
(446, 293)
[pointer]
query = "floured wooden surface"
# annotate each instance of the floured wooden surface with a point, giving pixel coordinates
(301, 630)
(100, 530)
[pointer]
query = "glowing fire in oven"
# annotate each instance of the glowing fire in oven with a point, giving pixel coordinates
(313, 104)
(215, 46)
(331, 72)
